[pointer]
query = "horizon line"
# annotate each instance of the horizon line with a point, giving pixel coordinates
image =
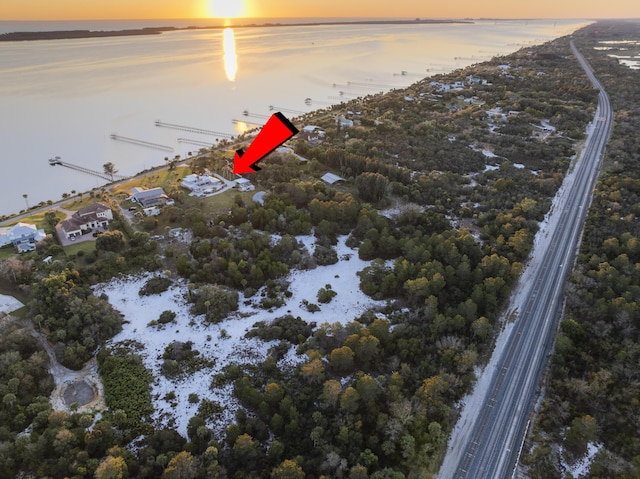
(314, 17)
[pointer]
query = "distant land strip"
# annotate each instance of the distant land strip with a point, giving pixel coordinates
(72, 34)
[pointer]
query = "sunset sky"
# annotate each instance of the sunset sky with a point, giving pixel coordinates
(143, 9)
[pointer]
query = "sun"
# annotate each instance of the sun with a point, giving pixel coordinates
(226, 8)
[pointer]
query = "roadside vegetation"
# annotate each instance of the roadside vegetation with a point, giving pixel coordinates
(443, 191)
(594, 382)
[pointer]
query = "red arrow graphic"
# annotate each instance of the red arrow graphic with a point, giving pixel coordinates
(274, 133)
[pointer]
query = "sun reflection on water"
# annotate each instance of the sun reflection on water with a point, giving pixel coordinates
(230, 57)
(242, 127)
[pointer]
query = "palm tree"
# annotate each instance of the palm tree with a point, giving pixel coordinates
(110, 169)
(25, 196)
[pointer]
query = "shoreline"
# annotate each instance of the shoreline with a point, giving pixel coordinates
(76, 34)
(13, 213)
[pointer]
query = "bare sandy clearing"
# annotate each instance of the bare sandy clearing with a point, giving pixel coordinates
(225, 342)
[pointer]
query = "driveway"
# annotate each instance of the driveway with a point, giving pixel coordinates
(64, 241)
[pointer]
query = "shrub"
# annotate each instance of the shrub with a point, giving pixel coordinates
(170, 367)
(326, 294)
(216, 302)
(166, 317)
(324, 255)
(311, 307)
(289, 328)
(155, 285)
(127, 386)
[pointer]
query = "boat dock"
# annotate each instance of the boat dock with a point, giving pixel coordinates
(192, 129)
(135, 141)
(190, 141)
(100, 174)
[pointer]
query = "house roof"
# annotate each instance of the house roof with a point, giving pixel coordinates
(194, 181)
(20, 231)
(72, 224)
(141, 193)
(242, 181)
(93, 209)
(331, 179)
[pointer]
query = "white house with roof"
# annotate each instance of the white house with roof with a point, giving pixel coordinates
(23, 236)
(344, 122)
(201, 184)
(244, 185)
(97, 215)
(496, 114)
(313, 134)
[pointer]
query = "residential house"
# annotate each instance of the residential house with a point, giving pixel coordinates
(85, 219)
(151, 211)
(313, 134)
(152, 197)
(496, 114)
(244, 185)
(344, 122)
(23, 236)
(331, 179)
(202, 184)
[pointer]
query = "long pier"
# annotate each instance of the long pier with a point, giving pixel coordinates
(310, 101)
(255, 115)
(135, 141)
(361, 89)
(82, 169)
(193, 129)
(247, 122)
(190, 141)
(287, 110)
(371, 85)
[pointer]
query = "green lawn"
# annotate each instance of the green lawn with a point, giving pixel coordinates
(39, 220)
(86, 246)
(76, 203)
(7, 252)
(165, 179)
(222, 202)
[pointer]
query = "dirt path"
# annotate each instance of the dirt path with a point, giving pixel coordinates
(83, 387)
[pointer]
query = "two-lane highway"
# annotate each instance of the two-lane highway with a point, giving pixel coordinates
(493, 445)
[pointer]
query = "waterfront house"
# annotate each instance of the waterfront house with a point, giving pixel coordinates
(201, 184)
(313, 134)
(23, 236)
(244, 185)
(344, 122)
(97, 215)
(152, 197)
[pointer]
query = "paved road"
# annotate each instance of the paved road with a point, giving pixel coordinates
(493, 447)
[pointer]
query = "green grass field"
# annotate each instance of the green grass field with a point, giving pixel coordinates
(165, 179)
(86, 246)
(7, 252)
(39, 220)
(77, 202)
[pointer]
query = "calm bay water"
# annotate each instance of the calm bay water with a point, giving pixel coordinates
(67, 97)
